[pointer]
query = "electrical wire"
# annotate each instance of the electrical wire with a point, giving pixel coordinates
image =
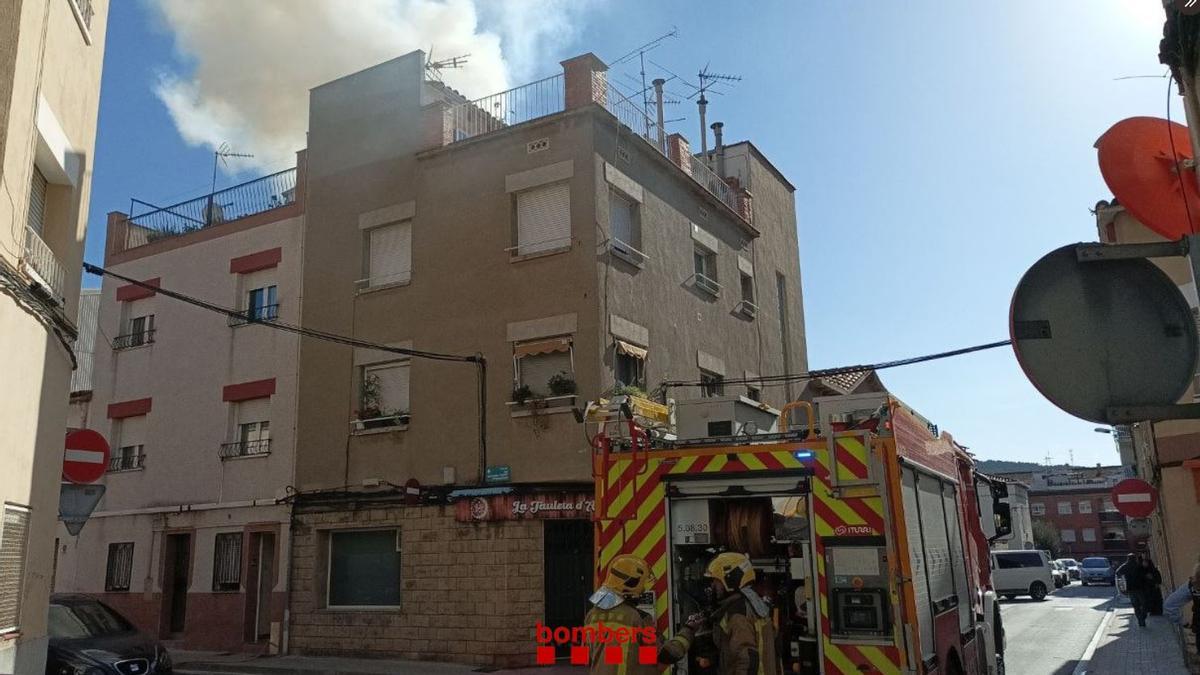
(1175, 158)
(842, 370)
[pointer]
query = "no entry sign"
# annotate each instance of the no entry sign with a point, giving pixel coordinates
(86, 456)
(1135, 498)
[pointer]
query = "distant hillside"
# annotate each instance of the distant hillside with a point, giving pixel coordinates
(1005, 466)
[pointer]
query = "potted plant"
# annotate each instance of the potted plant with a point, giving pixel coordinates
(630, 390)
(369, 401)
(521, 394)
(561, 384)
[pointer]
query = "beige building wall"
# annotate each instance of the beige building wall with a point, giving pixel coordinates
(51, 55)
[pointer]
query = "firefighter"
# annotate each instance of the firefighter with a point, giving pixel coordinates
(741, 623)
(614, 606)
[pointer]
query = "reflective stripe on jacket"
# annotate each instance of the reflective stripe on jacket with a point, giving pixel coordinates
(745, 640)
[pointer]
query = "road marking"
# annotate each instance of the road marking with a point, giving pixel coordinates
(1085, 660)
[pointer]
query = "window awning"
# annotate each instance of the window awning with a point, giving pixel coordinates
(558, 344)
(627, 349)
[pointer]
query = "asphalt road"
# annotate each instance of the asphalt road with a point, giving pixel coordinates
(1049, 637)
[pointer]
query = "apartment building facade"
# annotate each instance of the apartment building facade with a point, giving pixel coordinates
(1165, 454)
(556, 234)
(51, 54)
(1078, 504)
(190, 540)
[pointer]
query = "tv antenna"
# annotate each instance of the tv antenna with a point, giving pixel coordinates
(640, 52)
(708, 80)
(433, 69)
(222, 155)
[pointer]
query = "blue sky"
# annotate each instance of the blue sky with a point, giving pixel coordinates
(938, 149)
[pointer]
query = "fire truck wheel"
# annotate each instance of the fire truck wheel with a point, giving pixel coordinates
(1037, 590)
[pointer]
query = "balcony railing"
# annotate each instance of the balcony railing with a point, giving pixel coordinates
(42, 264)
(266, 313)
(127, 462)
(84, 7)
(246, 448)
(239, 201)
(1111, 517)
(132, 340)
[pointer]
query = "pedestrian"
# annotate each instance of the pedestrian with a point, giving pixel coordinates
(1153, 590)
(1189, 592)
(614, 608)
(742, 626)
(1135, 585)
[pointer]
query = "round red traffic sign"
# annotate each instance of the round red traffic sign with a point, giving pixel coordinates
(1135, 498)
(86, 456)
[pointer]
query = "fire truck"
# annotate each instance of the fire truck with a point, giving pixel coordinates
(869, 530)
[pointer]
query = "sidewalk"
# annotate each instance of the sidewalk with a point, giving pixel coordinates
(221, 663)
(1123, 647)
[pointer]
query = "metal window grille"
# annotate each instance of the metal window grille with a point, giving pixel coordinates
(711, 384)
(14, 536)
(227, 562)
(120, 566)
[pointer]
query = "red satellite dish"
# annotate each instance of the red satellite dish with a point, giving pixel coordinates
(86, 457)
(1146, 162)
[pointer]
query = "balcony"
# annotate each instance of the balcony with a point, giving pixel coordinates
(549, 96)
(43, 266)
(263, 314)
(1116, 545)
(1111, 517)
(256, 448)
(127, 462)
(132, 340)
(260, 195)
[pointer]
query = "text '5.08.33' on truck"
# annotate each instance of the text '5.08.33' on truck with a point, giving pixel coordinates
(868, 532)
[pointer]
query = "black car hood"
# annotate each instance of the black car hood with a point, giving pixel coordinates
(107, 649)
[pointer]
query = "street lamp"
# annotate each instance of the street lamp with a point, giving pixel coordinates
(1102, 430)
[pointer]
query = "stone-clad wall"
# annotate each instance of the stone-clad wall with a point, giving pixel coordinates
(471, 592)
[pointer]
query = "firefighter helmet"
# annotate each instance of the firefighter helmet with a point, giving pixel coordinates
(628, 575)
(732, 569)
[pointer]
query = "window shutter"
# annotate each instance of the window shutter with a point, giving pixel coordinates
(390, 254)
(254, 410)
(393, 386)
(543, 218)
(621, 217)
(227, 561)
(537, 369)
(14, 535)
(132, 431)
(37, 201)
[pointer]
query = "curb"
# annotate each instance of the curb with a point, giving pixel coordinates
(1086, 659)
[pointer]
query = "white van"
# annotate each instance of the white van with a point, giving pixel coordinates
(1022, 573)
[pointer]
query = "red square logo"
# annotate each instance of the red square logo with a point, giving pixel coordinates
(545, 656)
(647, 655)
(613, 656)
(579, 655)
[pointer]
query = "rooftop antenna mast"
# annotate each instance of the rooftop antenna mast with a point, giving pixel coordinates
(433, 69)
(707, 80)
(640, 52)
(222, 155)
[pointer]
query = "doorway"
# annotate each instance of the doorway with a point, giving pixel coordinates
(177, 557)
(260, 577)
(568, 573)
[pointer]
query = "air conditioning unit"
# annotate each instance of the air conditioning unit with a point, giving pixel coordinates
(724, 416)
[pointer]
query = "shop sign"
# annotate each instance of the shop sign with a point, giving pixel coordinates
(541, 506)
(498, 474)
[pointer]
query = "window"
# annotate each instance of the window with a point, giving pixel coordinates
(364, 568)
(753, 392)
(1037, 509)
(1017, 560)
(383, 395)
(711, 384)
(624, 225)
(389, 254)
(128, 454)
(252, 431)
(227, 562)
(748, 306)
(1068, 536)
(139, 331)
(1106, 504)
(36, 218)
(1089, 534)
(1085, 506)
(1064, 508)
(706, 270)
(543, 219)
(120, 567)
(536, 362)
(14, 537)
(262, 304)
(630, 365)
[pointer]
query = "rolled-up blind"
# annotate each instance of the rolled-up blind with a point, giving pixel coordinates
(14, 536)
(543, 218)
(37, 201)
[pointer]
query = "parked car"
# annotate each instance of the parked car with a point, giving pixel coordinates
(1061, 577)
(91, 638)
(1097, 571)
(1022, 573)
(1072, 566)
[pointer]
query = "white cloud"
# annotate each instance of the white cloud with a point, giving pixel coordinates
(254, 62)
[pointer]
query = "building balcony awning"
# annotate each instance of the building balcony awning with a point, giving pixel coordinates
(551, 346)
(628, 349)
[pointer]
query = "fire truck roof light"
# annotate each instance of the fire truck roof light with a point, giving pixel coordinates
(802, 454)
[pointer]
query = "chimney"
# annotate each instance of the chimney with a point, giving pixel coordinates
(719, 148)
(680, 152)
(117, 235)
(702, 103)
(585, 81)
(658, 100)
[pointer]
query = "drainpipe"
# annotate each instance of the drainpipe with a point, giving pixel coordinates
(719, 148)
(658, 100)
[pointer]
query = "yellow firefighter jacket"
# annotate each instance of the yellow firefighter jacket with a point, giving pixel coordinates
(625, 615)
(745, 636)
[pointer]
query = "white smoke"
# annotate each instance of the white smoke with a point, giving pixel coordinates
(255, 61)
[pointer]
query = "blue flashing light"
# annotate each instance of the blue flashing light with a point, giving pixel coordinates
(802, 454)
